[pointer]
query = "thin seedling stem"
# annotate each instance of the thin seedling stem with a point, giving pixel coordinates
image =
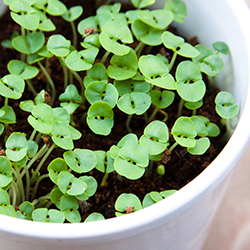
(181, 104)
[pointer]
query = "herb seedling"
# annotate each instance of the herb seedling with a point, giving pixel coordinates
(118, 70)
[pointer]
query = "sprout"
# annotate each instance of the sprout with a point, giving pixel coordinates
(29, 44)
(5, 172)
(127, 203)
(58, 45)
(154, 197)
(225, 106)
(100, 118)
(155, 137)
(142, 3)
(94, 217)
(178, 8)
(45, 215)
(156, 72)
(113, 31)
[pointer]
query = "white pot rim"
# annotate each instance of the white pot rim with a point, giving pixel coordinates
(169, 207)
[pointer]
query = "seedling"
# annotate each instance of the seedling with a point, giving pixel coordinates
(131, 65)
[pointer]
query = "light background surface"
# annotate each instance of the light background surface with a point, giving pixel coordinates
(230, 229)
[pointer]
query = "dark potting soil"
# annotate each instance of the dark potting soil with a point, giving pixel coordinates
(181, 167)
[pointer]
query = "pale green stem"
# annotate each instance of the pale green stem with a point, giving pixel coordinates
(19, 183)
(104, 179)
(153, 115)
(71, 80)
(173, 146)
(105, 57)
(51, 83)
(194, 112)
(27, 183)
(15, 195)
(38, 155)
(31, 87)
(128, 123)
(37, 184)
(66, 76)
(171, 64)
(42, 162)
(139, 48)
(73, 27)
(181, 104)
(32, 136)
(6, 100)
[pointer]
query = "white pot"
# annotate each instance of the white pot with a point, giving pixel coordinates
(181, 221)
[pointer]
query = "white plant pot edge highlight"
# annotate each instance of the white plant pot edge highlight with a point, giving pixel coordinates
(163, 215)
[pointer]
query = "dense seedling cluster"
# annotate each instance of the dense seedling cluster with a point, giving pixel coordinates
(127, 76)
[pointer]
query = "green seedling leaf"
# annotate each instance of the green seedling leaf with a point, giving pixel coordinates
(61, 115)
(189, 85)
(113, 31)
(146, 34)
(4, 197)
(74, 133)
(225, 106)
(155, 137)
(16, 146)
(156, 72)
(73, 13)
(20, 68)
(45, 24)
(69, 206)
(97, 73)
(139, 4)
(193, 105)
(55, 167)
(71, 99)
(100, 91)
(21, 163)
(80, 160)
(221, 47)
(204, 52)
(132, 161)
(105, 163)
(27, 105)
(212, 65)
(90, 189)
(45, 215)
(9, 116)
(55, 196)
(29, 21)
(58, 45)
(178, 45)
(184, 132)
(162, 99)
(130, 85)
(134, 103)
(100, 118)
(87, 23)
(25, 211)
(5, 172)
(42, 118)
(127, 203)
(61, 136)
(200, 126)
(201, 146)
(1, 128)
(29, 44)
(12, 86)
(112, 8)
(178, 8)
(123, 67)
(94, 217)
(82, 60)
(32, 148)
(55, 8)
(154, 197)
(127, 139)
(132, 15)
(8, 210)
(69, 184)
(158, 19)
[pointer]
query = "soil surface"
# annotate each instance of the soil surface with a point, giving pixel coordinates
(181, 167)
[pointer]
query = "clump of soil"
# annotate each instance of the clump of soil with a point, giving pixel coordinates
(181, 167)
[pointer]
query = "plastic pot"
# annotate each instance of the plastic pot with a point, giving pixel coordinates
(180, 222)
